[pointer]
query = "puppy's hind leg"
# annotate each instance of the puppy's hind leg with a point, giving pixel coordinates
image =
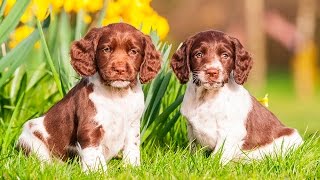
(33, 139)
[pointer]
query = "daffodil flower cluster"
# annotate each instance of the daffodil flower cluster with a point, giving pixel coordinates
(138, 13)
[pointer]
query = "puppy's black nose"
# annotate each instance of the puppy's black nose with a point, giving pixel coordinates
(213, 72)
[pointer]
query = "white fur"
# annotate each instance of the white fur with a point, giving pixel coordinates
(28, 138)
(280, 146)
(120, 84)
(218, 121)
(119, 114)
(92, 158)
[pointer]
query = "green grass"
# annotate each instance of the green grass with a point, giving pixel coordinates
(172, 162)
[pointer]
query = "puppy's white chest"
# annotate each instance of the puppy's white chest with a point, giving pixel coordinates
(217, 116)
(116, 113)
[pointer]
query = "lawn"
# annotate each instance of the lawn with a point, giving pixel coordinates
(171, 162)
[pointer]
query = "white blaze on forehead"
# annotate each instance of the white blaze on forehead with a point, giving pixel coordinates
(120, 84)
(215, 63)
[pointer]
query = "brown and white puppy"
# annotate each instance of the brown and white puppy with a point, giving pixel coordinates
(220, 111)
(101, 115)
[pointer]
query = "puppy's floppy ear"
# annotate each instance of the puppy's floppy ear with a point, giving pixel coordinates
(243, 62)
(180, 62)
(83, 53)
(151, 62)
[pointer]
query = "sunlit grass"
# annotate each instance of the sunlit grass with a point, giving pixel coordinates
(172, 162)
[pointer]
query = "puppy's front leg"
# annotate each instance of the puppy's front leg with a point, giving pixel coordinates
(90, 149)
(92, 159)
(192, 139)
(229, 147)
(131, 151)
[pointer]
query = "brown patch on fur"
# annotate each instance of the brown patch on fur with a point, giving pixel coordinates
(180, 62)
(69, 120)
(243, 62)
(151, 63)
(263, 127)
(30, 125)
(40, 136)
(90, 134)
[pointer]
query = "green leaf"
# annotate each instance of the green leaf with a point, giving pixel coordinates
(16, 83)
(49, 59)
(102, 13)
(7, 135)
(16, 57)
(2, 8)
(12, 19)
(67, 74)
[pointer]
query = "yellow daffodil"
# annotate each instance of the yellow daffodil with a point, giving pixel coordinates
(138, 13)
(20, 34)
(264, 101)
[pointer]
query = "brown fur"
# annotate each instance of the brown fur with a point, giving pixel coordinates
(212, 44)
(71, 120)
(116, 52)
(262, 127)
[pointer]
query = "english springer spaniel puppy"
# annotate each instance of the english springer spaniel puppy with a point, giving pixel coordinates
(221, 113)
(101, 115)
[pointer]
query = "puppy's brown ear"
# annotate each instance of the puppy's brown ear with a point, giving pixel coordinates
(83, 53)
(180, 62)
(243, 62)
(151, 63)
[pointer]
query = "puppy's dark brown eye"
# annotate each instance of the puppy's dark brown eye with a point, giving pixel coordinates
(133, 52)
(198, 55)
(225, 55)
(107, 49)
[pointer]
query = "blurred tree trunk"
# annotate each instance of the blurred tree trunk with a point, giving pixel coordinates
(254, 14)
(304, 63)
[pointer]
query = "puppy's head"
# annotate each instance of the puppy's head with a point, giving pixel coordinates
(118, 52)
(211, 57)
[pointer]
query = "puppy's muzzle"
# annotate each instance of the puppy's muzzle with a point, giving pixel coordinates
(212, 74)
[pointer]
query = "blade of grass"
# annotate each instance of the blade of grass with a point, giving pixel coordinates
(7, 135)
(10, 62)
(65, 37)
(12, 19)
(156, 103)
(2, 8)
(102, 13)
(17, 56)
(49, 59)
(79, 25)
(16, 83)
(160, 121)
